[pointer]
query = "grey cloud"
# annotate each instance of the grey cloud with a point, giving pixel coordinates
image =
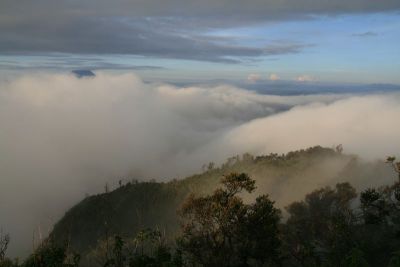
(65, 66)
(365, 34)
(271, 9)
(284, 48)
(165, 29)
(293, 88)
(137, 37)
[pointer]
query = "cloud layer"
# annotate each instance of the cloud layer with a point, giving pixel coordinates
(62, 137)
(167, 29)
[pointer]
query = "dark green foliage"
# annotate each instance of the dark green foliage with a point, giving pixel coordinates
(323, 230)
(138, 205)
(330, 227)
(122, 212)
(356, 258)
(320, 228)
(395, 260)
(221, 230)
(373, 206)
(8, 263)
(326, 229)
(381, 205)
(379, 233)
(117, 258)
(147, 249)
(51, 255)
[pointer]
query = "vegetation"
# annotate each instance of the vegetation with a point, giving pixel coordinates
(230, 225)
(220, 230)
(134, 206)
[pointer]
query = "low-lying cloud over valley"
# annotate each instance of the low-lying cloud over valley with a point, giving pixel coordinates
(62, 137)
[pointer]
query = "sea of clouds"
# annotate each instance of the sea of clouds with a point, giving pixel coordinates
(62, 137)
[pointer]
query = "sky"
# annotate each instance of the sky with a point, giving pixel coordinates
(353, 41)
(180, 83)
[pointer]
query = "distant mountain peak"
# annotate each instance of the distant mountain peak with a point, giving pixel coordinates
(83, 73)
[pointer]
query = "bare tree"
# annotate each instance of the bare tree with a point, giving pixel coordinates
(106, 188)
(339, 148)
(396, 165)
(4, 241)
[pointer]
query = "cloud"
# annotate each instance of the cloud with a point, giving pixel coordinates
(274, 77)
(269, 9)
(365, 34)
(63, 137)
(284, 48)
(305, 78)
(171, 29)
(363, 124)
(68, 62)
(253, 78)
(141, 37)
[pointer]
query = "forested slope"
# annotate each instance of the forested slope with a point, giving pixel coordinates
(139, 205)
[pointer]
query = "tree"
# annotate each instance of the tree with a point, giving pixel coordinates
(395, 260)
(339, 148)
(320, 229)
(210, 166)
(147, 249)
(4, 241)
(49, 254)
(356, 259)
(221, 230)
(380, 232)
(395, 165)
(117, 258)
(381, 205)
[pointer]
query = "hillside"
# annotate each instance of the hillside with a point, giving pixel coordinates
(138, 205)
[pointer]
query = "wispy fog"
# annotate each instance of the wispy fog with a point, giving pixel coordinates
(62, 137)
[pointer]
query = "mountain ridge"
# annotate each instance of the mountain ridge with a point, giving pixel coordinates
(135, 206)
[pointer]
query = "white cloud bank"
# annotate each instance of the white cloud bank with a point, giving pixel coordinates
(305, 78)
(62, 137)
(274, 77)
(254, 77)
(365, 125)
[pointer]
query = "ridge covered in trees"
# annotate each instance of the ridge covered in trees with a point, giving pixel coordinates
(228, 222)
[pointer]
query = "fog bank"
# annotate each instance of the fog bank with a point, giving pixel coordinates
(62, 137)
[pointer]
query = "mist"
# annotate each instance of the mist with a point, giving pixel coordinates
(62, 137)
